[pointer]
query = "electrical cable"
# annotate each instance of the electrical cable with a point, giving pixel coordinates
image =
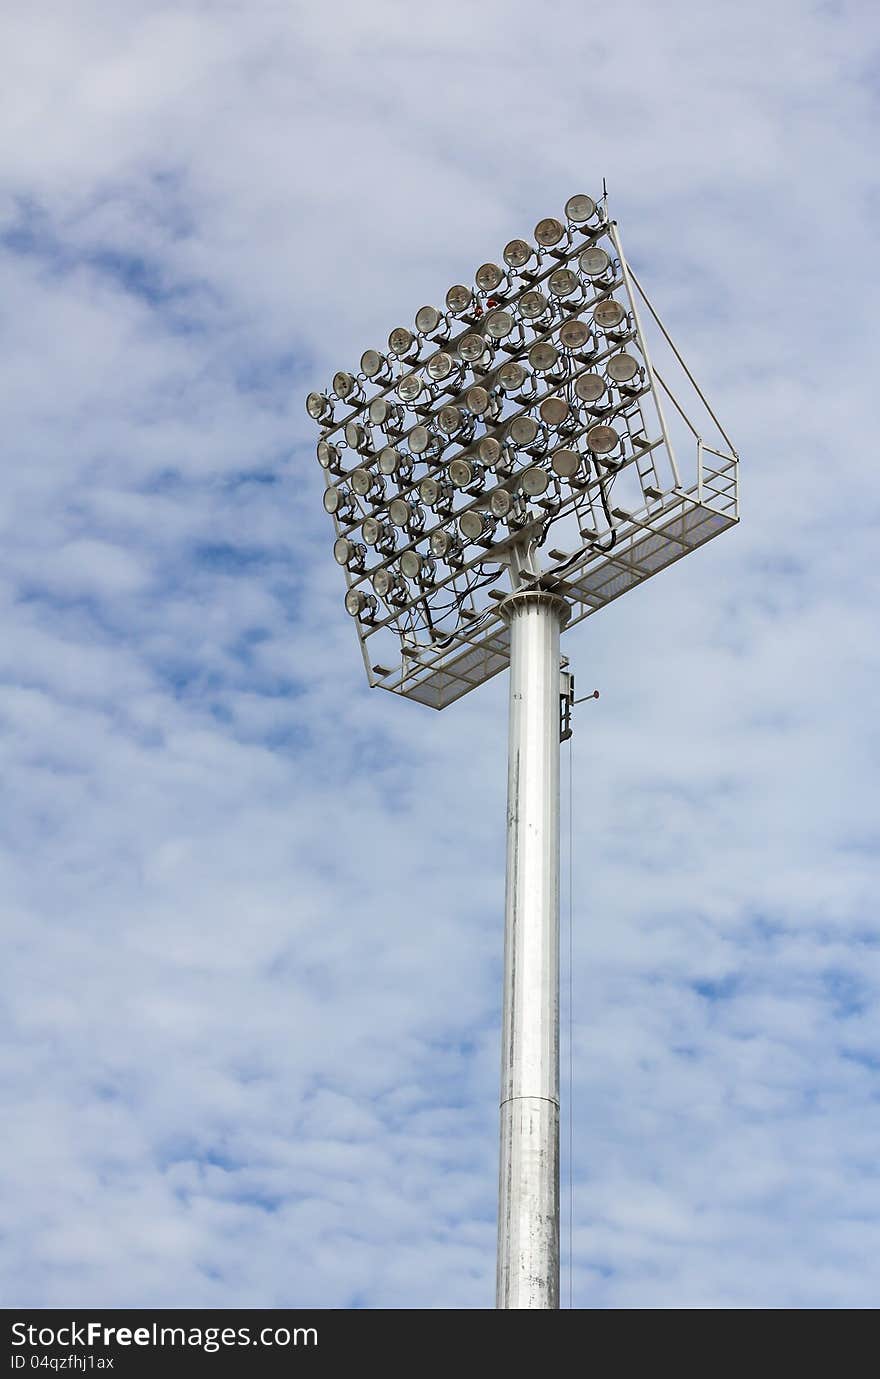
(612, 542)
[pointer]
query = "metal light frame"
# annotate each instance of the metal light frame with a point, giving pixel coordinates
(450, 634)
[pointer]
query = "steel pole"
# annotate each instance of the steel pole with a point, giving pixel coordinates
(528, 1206)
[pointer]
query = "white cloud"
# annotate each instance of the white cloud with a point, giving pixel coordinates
(252, 912)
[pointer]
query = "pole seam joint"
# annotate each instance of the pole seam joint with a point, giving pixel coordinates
(554, 1101)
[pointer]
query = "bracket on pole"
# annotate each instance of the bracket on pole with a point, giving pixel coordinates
(567, 702)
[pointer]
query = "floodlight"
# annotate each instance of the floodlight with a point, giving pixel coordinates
(562, 283)
(414, 566)
(366, 484)
(390, 460)
(472, 347)
(477, 400)
(553, 410)
(420, 439)
(534, 481)
(608, 314)
(429, 491)
(589, 386)
(383, 582)
(622, 367)
(319, 407)
(489, 451)
(376, 532)
(400, 512)
(422, 442)
(401, 341)
(359, 604)
(594, 262)
(533, 304)
(435, 492)
(356, 436)
(543, 356)
(488, 277)
(574, 334)
(499, 324)
(464, 473)
(441, 365)
(339, 503)
(476, 526)
(428, 320)
(450, 419)
(565, 463)
(345, 385)
(328, 456)
(517, 253)
(458, 299)
(538, 444)
(374, 364)
(549, 232)
(580, 208)
(500, 503)
(602, 439)
(408, 388)
(349, 553)
(382, 412)
(523, 430)
(445, 546)
(511, 376)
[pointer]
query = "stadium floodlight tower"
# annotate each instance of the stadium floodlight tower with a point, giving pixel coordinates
(503, 469)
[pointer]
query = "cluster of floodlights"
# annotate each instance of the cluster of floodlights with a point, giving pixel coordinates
(477, 426)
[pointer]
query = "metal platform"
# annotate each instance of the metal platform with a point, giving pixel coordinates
(655, 540)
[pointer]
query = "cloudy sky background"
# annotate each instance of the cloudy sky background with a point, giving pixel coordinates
(252, 911)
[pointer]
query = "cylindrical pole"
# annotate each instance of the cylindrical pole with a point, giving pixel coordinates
(528, 1207)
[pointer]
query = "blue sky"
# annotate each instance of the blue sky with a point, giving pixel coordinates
(252, 910)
